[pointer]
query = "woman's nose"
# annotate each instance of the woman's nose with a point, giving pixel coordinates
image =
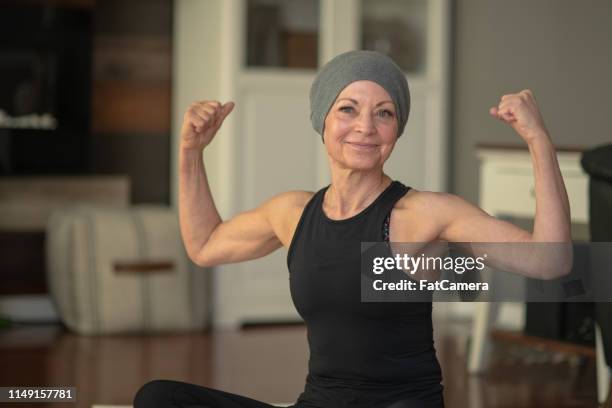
(365, 123)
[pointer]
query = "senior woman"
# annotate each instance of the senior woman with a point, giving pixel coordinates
(362, 354)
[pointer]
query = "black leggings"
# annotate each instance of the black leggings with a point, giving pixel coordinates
(175, 394)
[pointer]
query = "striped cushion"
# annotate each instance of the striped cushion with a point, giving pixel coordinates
(84, 245)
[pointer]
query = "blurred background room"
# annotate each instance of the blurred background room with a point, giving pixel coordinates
(96, 290)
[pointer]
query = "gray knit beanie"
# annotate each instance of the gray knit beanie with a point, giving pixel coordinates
(356, 66)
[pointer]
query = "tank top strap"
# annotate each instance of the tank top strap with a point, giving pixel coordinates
(396, 191)
(380, 217)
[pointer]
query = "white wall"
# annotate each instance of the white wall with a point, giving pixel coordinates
(195, 72)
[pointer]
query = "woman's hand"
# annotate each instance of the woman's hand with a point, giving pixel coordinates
(201, 122)
(521, 111)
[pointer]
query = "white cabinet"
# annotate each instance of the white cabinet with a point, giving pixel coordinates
(268, 146)
(507, 189)
(507, 182)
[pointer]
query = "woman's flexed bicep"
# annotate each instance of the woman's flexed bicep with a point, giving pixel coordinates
(255, 233)
(248, 235)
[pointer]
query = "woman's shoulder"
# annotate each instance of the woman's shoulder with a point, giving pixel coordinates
(414, 197)
(291, 199)
(422, 201)
(285, 206)
(284, 211)
(440, 207)
(419, 216)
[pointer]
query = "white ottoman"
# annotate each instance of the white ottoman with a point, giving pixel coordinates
(118, 270)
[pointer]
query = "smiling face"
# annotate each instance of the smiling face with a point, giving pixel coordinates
(361, 127)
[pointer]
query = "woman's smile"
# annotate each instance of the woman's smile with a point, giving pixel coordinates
(362, 146)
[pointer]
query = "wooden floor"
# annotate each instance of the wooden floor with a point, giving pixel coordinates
(269, 363)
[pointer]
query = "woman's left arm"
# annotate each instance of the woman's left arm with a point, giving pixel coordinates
(552, 214)
(465, 222)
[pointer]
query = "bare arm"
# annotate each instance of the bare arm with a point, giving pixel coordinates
(208, 239)
(198, 215)
(468, 223)
(552, 215)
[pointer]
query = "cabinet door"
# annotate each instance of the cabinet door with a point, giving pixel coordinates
(275, 148)
(280, 151)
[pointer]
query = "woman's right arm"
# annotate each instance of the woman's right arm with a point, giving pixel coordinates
(211, 241)
(208, 239)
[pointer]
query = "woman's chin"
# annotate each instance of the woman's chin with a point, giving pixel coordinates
(361, 164)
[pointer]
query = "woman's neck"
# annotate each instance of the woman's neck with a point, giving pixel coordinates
(349, 194)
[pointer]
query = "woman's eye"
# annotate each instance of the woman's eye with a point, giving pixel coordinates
(385, 113)
(346, 109)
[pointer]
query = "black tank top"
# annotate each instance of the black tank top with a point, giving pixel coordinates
(362, 354)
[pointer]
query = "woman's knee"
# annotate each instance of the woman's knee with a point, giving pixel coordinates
(156, 393)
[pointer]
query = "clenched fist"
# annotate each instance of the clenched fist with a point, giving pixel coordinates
(201, 122)
(520, 110)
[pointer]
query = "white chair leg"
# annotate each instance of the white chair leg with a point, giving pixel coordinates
(484, 318)
(603, 371)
